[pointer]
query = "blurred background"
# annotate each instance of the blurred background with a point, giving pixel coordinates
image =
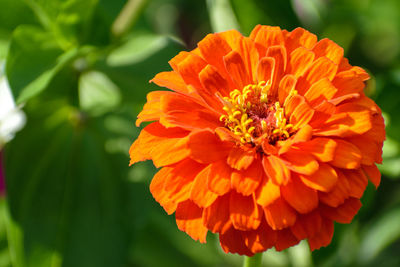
(79, 72)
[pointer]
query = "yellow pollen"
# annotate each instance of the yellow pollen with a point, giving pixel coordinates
(253, 97)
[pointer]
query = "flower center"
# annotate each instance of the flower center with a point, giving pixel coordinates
(251, 114)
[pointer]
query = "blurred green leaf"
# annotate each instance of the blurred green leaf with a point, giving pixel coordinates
(33, 60)
(70, 20)
(379, 235)
(221, 15)
(97, 93)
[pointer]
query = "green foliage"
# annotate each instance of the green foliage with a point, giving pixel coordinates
(72, 199)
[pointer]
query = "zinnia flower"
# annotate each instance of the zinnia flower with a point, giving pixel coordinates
(266, 140)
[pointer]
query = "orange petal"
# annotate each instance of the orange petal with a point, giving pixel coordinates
(164, 146)
(279, 214)
(307, 225)
(212, 84)
(265, 69)
(338, 194)
(357, 182)
(189, 219)
(240, 158)
(157, 190)
(301, 115)
(200, 194)
(321, 68)
(190, 68)
(299, 196)
(373, 174)
(348, 82)
(285, 239)
(321, 148)
(322, 180)
(213, 48)
(178, 59)
(245, 214)
(291, 103)
(323, 237)
(200, 144)
(171, 80)
(329, 49)
(300, 162)
(347, 155)
(267, 192)
(349, 120)
(219, 178)
(369, 148)
(236, 68)
(249, 54)
(344, 213)
(319, 91)
(300, 60)
(232, 241)
(216, 217)
(261, 239)
(276, 170)
(179, 182)
(286, 85)
(185, 112)
(300, 37)
(246, 181)
(303, 135)
(267, 36)
(278, 53)
(152, 109)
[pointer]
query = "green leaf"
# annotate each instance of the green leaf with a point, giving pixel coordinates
(379, 235)
(69, 21)
(33, 60)
(97, 93)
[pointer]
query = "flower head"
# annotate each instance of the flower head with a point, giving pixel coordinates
(266, 140)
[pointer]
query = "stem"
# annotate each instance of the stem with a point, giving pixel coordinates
(127, 17)
(254, 261)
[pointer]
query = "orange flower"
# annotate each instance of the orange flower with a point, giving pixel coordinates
(265, 140)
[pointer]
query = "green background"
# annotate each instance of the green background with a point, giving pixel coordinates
(71, 198)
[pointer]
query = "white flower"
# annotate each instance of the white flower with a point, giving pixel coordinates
(12, 119)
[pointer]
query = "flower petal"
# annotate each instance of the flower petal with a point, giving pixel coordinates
(179, 181)
(171, 80)
(322, 180)
(261, 239)
(265, 69)
(189, 69)
(327, 48)
(321, 148)
(219, 178)
(267, 192)
(286, 85)
(245, 214)
(240, 158)
(232, 242)
(302, 198)
(278, 53)
(285, 239)
(307, 225)
(276, 170)
(373, 174)
(189, 219)
(216, 216)
(338, 194)
(300, 60)
(319, 91)
(347, 155)
(267, 36)
(152, 109)
(237, 70)
(357, 182)
(157, 190)
(300, 37)
(183, 111)
(200, 143)
(279, 214)
(323, 237)
(300, 162)
(343, 213)
(200, 194)
(163, 146)
(246, 181)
